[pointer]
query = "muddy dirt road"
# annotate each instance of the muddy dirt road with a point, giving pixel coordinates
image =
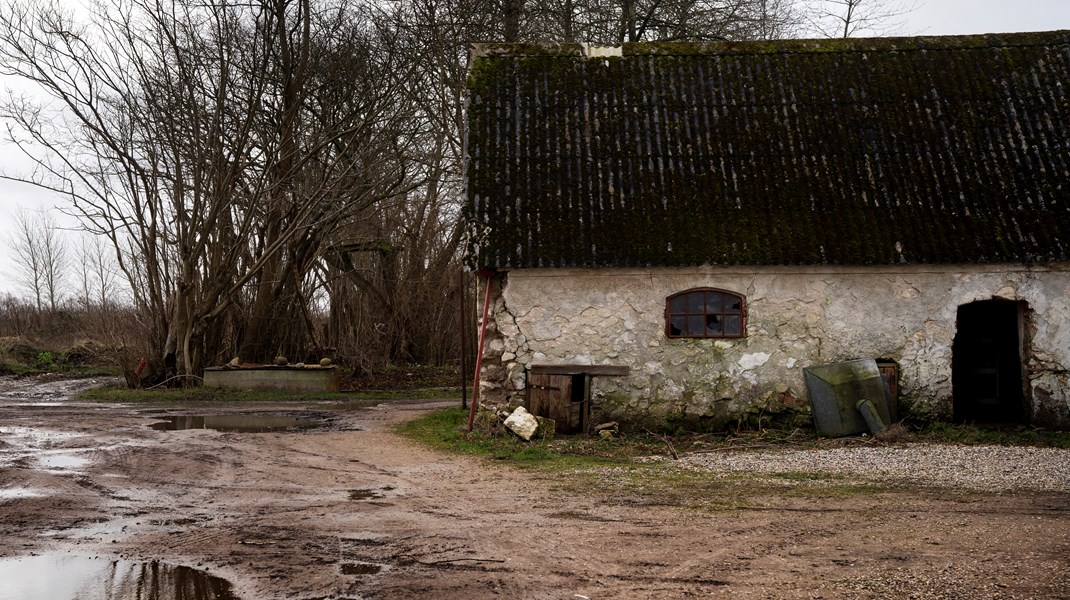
(349, 510)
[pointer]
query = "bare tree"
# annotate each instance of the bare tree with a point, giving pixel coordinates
(97, 285)
(851, 18)
(252, 161)
(41, 258)
(618, 21)
(200, 140)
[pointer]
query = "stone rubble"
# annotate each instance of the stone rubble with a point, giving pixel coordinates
(522, 423)
(985, 468)
(608, 431)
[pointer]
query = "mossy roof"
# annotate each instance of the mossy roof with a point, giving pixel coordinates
(872, 151)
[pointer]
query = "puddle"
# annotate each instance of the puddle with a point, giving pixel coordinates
(32, 435)
(62, 462)
(49, 577)
(20, 492)
(25, 445)
(235, 423)
(360, 568)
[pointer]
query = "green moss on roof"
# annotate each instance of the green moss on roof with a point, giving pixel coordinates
(883, 151)
(818, 46)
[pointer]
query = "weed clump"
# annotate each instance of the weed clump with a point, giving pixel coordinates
(896, 433)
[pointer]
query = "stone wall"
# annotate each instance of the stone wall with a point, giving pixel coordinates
(796, 317)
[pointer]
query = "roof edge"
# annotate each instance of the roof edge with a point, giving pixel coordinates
(880, 44)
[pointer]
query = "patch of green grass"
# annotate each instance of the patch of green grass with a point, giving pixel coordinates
(609, 469)
(446, 430)
(1021, 435)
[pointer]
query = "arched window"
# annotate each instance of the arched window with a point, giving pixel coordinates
(705, 313)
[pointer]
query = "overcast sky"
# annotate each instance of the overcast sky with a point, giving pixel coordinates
(954, 17)
(932, 17)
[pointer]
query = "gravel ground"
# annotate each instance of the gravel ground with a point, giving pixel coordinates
(988, 468)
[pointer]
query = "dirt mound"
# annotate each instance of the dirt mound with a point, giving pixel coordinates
(19, 349)
(84, 353)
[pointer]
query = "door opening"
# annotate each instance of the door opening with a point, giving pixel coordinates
(987, 367)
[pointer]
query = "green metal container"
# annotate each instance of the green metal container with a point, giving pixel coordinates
(835, 391)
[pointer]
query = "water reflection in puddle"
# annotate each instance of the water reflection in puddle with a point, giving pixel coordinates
(31, 435)
(62, 462)
(235, 423)
(52, 577)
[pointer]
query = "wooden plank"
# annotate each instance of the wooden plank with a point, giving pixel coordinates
(562, 400)
(550, 396)
(540, 394)
(607, 370)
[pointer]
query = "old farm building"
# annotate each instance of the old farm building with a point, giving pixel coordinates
(677, 230)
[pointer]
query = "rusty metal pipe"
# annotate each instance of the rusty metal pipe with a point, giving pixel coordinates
(462, 284)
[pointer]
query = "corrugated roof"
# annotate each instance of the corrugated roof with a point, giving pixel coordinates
(880, 151)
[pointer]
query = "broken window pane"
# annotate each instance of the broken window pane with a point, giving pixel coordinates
(733, 306)
(676, 325)
(713, 325)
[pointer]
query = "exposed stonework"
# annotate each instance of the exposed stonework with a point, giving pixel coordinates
(796, 317)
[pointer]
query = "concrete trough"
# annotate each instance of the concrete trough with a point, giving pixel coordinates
(310, 378)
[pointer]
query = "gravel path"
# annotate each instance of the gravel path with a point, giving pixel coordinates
(988, 468)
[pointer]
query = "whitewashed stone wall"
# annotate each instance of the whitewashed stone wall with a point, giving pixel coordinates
(796, 317)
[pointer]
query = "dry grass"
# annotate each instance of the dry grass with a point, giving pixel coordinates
(896, 433)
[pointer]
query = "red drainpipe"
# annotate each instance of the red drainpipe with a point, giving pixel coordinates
(479, 354)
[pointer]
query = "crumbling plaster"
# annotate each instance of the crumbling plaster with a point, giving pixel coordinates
(796, 317)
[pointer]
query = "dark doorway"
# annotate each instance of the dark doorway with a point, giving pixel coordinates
(987, 363)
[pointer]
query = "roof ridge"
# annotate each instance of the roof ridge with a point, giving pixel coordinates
(1021, 39)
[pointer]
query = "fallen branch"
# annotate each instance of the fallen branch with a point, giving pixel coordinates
(166, 381)
(672, 450)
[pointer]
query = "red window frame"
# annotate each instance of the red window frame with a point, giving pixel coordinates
(705, 313)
